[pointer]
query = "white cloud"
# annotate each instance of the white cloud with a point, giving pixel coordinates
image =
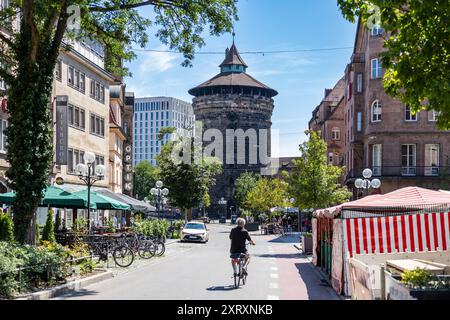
(156, 62)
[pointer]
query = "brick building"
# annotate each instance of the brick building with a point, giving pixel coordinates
(381, 133)
(328, 119)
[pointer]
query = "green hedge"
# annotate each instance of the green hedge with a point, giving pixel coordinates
(157, 228)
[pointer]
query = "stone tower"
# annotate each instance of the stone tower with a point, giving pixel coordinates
(235, 100)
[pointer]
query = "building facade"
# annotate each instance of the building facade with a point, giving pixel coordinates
(328, 119)
(402, 148)
(153, 114)
(234, 101)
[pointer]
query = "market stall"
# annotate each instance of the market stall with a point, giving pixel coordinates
(411, 219)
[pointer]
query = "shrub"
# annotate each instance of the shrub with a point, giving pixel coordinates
(417, 278)
(49, 229)
(10, 261)
(110, 226)
(6, 228)
(87, 266)
(80, 226)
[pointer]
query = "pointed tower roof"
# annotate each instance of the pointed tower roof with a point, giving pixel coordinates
(232, 57)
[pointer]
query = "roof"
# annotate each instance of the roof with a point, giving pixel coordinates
(401, 200)
(229, 78)
(232, 57)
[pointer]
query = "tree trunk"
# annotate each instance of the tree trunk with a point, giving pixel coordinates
(189, 214)
(29, 132)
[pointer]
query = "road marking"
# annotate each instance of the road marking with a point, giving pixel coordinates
(274, 275)
(274, 286)
(274, 268)
(273, 298)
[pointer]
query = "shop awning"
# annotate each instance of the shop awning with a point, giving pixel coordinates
(136, 205)
(102, 201)
(53, 197)
(402, 200)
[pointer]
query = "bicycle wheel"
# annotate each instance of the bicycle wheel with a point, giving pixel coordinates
(160, 248)
(146, 250)
(239, 276)
(123, 256)
(244, 277)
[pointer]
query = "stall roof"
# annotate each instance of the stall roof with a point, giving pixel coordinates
(402, 200)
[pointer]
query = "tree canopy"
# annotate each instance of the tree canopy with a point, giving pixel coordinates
(312, 182)
(188, 181)
(267, 194)
(418, 50)
(145, 177)
(28, 56)
(246, 182)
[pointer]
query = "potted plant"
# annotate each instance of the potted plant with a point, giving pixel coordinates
(307, 242)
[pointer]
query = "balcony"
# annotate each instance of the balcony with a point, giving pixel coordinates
(401, 171)
(358, 58)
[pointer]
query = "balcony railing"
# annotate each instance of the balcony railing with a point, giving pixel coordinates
(402, 171)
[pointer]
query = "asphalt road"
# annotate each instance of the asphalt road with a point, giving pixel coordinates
(191, 271)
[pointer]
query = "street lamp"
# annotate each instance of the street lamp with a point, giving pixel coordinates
(86, 174)
(366, 184)
(159, 194)
(223, 202)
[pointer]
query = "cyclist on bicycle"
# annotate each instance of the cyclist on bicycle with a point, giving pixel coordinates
(238, 237)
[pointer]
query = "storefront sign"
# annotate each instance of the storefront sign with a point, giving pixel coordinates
(128, 169)
(62, 130)
(59, 181)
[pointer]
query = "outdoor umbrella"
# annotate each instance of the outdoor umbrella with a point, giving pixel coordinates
(135, 204)
(103, 202)
(53, 197)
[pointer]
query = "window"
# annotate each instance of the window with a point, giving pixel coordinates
(97, 91)
(58, 70)
(359, 82)
(76, 117)
(376, 68)
(409, 160)
(74, 157)
(97, 125)
(432, 116)
(3, 144)
(358, 122)
(376, 159)
(336, 134)
(431, 159)
(376, 31)
(376, 111)
(76, 79)
(409, 116)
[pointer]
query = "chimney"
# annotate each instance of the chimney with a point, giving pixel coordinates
(327, 92)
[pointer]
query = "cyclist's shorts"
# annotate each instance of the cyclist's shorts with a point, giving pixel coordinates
(237, 255)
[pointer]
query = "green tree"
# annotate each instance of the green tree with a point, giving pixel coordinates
(145, 177)
(48, 234)
(312, 182)
(29, 55)
(418, 49)
(188, 181)
(246, 182)
(267, 194)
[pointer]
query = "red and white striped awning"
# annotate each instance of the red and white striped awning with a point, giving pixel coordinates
(407, 198)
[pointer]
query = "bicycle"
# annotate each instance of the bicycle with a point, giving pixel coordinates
(238, 261)
(159, 245)
(144, 247)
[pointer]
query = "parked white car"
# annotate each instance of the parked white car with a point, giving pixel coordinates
(195, 231)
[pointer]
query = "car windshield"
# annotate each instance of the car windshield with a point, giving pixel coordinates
(195, 226)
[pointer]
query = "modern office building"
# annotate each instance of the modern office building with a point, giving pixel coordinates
(150, 116)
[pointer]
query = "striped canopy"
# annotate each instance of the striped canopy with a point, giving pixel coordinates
(404, 200)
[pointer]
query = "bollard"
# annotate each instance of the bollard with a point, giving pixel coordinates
(383, 282)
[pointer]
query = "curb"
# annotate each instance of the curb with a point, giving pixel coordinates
(324, 278)
(68, 287)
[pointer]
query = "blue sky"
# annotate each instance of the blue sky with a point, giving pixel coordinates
(264, 25)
